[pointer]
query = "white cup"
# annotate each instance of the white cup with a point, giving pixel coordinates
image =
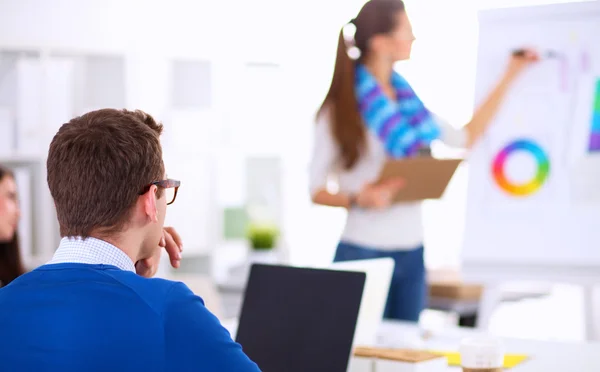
(482, 354)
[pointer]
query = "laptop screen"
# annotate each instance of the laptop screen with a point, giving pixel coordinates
(300, 319)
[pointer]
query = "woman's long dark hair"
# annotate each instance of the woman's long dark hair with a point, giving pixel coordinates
(375, 17)
(11, 265)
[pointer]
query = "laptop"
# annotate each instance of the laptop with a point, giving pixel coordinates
(377, 286)
(297, 319)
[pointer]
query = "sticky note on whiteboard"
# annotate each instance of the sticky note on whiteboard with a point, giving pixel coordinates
(585, 180)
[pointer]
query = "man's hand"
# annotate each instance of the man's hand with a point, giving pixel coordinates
(171, 242)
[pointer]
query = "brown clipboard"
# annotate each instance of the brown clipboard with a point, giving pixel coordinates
(426, 177)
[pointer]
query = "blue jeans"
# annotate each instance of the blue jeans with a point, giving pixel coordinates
(408, 290)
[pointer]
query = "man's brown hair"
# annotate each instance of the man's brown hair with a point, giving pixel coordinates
(98, 164)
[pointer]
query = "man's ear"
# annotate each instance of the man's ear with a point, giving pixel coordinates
(149, 200)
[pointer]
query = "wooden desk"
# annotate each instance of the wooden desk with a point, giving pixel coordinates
(447, 292)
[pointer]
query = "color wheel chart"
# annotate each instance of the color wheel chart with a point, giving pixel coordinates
(594, 142)
(535, 183)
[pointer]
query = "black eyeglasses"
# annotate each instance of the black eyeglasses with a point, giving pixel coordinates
(170, 186)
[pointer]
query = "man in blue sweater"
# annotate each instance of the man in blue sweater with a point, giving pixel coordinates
(93, 307)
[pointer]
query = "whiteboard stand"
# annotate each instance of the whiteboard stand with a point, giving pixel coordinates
(490, 299)
(590, 324)
(493, 275)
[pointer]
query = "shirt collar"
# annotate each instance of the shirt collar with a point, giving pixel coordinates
(91, 251)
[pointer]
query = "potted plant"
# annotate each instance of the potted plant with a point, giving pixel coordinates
(262, 235)
(262, 238)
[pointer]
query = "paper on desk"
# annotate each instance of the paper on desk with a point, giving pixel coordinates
(510, 360)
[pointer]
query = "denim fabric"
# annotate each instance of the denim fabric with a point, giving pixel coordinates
(408, 289)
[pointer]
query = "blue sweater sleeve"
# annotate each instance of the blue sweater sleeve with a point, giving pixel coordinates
(195, 340)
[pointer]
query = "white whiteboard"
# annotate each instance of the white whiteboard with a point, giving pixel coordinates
(552, 104)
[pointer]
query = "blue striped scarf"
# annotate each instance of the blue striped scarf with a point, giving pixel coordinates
(404, 126)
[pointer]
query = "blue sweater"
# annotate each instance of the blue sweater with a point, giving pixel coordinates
(83, 318)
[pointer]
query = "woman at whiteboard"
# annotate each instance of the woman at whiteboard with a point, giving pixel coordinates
(369, 115)
(10, 258)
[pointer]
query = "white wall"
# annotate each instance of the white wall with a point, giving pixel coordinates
(109, 25)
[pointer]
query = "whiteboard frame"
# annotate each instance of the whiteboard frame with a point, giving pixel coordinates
(494, 274)
(485, 271)
(498, 273)
(587, 9)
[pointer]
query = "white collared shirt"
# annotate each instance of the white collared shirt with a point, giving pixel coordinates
(91, 251)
